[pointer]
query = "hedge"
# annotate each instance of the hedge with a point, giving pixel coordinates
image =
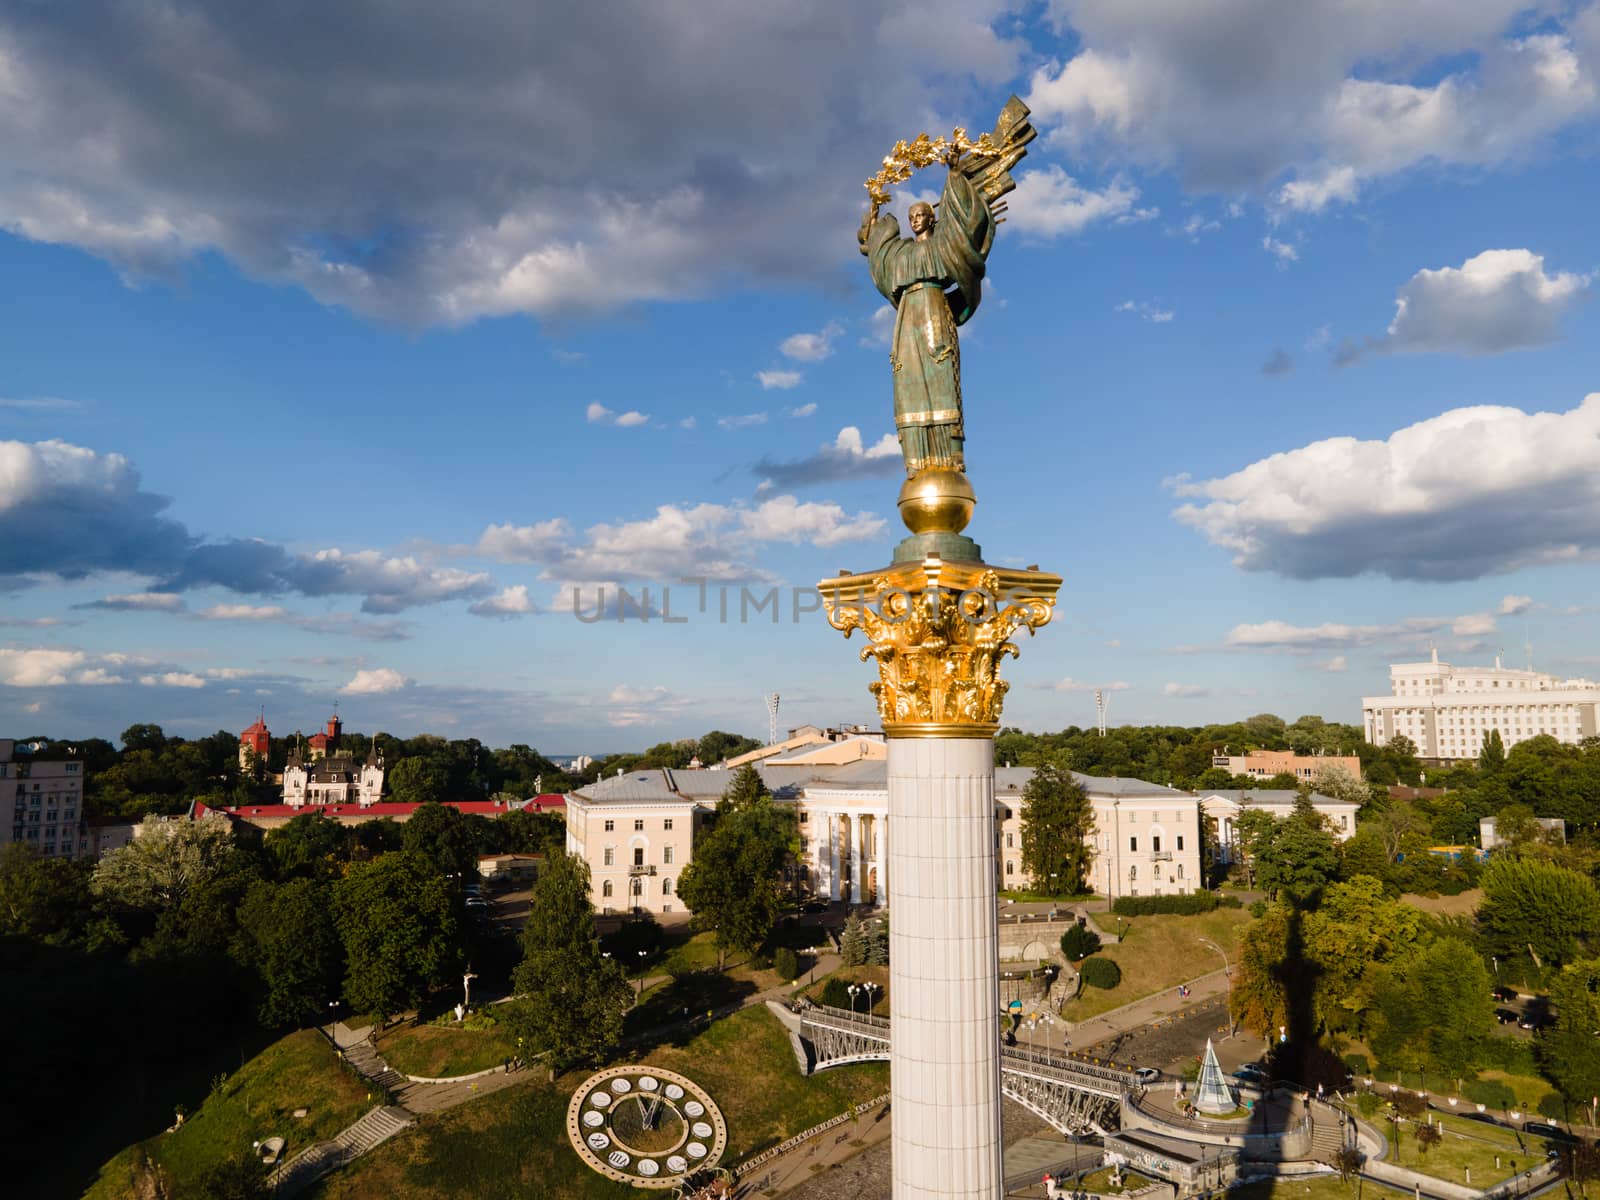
(1100, 972)
(1188, 904)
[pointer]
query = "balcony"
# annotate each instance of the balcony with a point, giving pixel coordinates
(646, 869)
(1161, 856)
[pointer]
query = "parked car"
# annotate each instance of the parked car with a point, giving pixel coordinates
(1146, 1074)
(1533, 1021)
(477, 902)
(1250, 1075)
(1505, 994)
(1505, 1016)
(1546, 1130)
(1477, 1116)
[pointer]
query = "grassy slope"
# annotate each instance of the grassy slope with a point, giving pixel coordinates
(433, 1052)
(298, 1071)
(1159, 952)
(514, 1144)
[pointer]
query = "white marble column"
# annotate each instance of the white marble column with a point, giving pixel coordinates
(833, 856)
(944, 989)
(855, 858)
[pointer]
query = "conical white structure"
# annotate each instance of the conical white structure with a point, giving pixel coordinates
(1212, 1094)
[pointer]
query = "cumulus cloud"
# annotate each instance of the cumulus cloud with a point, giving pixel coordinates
(499, 178)
(177, 679)
(1185, 691)
(1472, 492)
(846, 457)
(779, 379)
(711, 541)
(1284, 252)
(139, 602)
(1077, 685)
(1049, 203)
(599, 414)
(802, 410)
(1312, 99)
(811, 347)
(30, 668)
(70, 512)
(511, 602)
(375, 681)
(1147, 311)
(525, 543)
(1496, 301)
(628, 706)
(344, 624)
(1515, 606)
(38, 403)
(1335, 664)
(742, 420)
(1284, 635)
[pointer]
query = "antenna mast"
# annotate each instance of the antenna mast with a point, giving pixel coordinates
(1100, 706)
(772, 718)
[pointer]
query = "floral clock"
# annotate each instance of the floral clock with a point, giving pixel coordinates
(644, 1126)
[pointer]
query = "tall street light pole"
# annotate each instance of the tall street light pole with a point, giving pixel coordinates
(1227, 971)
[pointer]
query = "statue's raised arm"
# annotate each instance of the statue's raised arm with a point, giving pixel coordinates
(934, 278)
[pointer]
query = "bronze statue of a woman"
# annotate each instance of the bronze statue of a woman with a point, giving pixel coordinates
(934, 279)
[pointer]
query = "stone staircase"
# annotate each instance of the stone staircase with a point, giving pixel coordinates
(377, 1126)
(364, 1057)
(1327, 1139)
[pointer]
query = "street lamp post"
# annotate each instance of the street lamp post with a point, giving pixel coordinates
(1227, 971)
(853, 989)
(640, 981)
(869, 987)
(333, 1020)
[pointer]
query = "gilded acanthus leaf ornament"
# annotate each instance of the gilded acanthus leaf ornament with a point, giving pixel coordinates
(938, 632)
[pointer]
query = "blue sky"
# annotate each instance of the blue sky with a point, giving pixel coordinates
(338, 354)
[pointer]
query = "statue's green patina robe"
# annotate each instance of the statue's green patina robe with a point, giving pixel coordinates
(935, 286)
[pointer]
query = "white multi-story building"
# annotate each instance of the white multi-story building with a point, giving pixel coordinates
(41, 803)
(1446, 710)
(637, 831)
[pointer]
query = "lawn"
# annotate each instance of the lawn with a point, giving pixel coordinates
(439, 1052)
(1314, 1187)
(1158, 953)
(257, 1102)
(1100, 1182)
(1465, 1144)
(513, 1143)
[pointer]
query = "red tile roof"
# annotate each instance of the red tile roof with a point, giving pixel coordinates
(486, 808)
(548, 800)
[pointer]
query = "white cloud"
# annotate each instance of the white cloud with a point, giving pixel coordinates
(1282, 251)
(1335, 664)
(376, 681)
(1147, 311)
(512, 602)
(177, 679)
(1472, 492)
(785, 519)
(391, 583)
(141, 602)
(687, 423)
(244, 612)
(1515, 606)
(803, 410)
(1314, 98)
(1473, 625)
(1283, 635)
(880, 327)
(51, 668)
(599, 414)
(811, 347)
(1496, 301)
(1049, 203)
(628, 706)
(1077, 685)
(845, 458)
(437, 201)
(779, 379)
(1185, 691)
(38, 403)
(525, 543)
(742, 420)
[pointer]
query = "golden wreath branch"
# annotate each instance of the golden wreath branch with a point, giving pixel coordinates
(923, 151)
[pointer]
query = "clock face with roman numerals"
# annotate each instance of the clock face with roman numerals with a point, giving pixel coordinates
(644, 1126)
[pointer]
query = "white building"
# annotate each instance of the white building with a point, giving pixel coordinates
(334, 779)
(1224, 807)
(41, 803)
(637, 831)
(1446, 710)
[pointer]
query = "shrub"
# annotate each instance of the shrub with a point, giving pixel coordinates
(1100, 972)
(786, 962)
(1494, 1093)
(1553, 1106)
(1078, 942)
(1258, 909)
(1187, 905)
(1357, 1064)
(834, 994)
(761, 960)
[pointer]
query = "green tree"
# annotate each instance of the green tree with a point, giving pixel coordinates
(1297, 860)
(40, 897)
(444, 836)
(571, 997)
(165, 862)
(308, 844)
(1057, 825)
(1493, 755)
(529, 832)
(1569, 1053)
(1536, 907)
(143, 737)
(877, 935)
(735, 884)
(852, 942)
(745, 789)
(1078, 942)
(417, 781)
(396, 917)
(287, 937)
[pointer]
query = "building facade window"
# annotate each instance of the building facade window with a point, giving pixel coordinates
(666, 855)
(638, 825)
(606, 889)
(666, 887)
(1155, 843)
(1180, 842)
(1133, 845)
(638, 856)
(611, 861)
(1011, 868)
(610, 826)
(667, 824)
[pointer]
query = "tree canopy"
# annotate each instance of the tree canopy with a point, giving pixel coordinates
(1057, 824)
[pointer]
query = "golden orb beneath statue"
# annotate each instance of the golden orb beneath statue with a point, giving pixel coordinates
(937, 500)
